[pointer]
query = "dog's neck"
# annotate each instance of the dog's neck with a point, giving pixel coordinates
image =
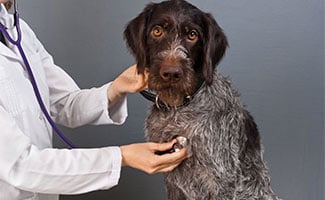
(151, 96)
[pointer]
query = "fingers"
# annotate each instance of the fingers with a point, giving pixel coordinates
(134, 81)
(143, 157)
(173, 158)
(145, 79)
(159, 147)
(142, 80)
(168, 161)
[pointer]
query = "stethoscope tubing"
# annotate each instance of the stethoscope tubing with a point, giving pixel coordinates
(32, 79)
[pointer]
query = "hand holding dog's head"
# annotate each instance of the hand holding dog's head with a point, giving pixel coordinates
(177, 18)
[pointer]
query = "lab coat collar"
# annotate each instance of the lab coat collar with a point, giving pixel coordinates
(7, 20)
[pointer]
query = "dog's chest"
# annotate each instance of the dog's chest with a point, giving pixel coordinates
(164, 126)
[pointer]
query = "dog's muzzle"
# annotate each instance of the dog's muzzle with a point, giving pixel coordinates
(171, 73)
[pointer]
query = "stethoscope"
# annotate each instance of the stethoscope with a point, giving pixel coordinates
(17, 43)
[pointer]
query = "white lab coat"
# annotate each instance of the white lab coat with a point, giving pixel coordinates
(29, 167)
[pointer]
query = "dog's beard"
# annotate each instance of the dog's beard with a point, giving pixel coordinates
(173, 93)
(171, 97)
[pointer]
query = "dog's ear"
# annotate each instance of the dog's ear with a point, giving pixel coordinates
(215, 44)
(135, 37)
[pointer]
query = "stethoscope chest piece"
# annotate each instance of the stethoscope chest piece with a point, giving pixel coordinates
(180, 144)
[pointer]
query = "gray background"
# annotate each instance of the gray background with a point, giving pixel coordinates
(276, 60)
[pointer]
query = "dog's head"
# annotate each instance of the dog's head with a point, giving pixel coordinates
(179, 44)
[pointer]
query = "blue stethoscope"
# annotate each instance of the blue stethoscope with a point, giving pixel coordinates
(17, 43)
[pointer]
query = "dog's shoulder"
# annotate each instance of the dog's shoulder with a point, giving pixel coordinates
(220, 95)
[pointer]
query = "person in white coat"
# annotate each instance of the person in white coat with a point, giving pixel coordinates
(30, 168)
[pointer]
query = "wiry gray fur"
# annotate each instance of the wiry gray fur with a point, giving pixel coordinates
(221, 166)
(225, 160)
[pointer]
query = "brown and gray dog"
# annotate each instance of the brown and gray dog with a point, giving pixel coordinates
(180, 46)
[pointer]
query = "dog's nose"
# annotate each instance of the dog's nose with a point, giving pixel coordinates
(171, 73)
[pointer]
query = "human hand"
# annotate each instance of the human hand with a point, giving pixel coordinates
(128, 81)
(143, 156)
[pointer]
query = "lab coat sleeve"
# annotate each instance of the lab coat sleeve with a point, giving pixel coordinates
(72, 106)
(54, 171)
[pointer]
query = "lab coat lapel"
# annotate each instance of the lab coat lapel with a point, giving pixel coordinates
(7, 52)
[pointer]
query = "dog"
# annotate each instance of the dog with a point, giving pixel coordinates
(180, 46)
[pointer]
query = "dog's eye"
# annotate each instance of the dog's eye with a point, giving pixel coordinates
(157, 31)
(192, 35)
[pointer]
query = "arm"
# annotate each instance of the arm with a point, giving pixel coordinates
(61, 171)
(72, 106)
(25, 166)
(106, 104)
